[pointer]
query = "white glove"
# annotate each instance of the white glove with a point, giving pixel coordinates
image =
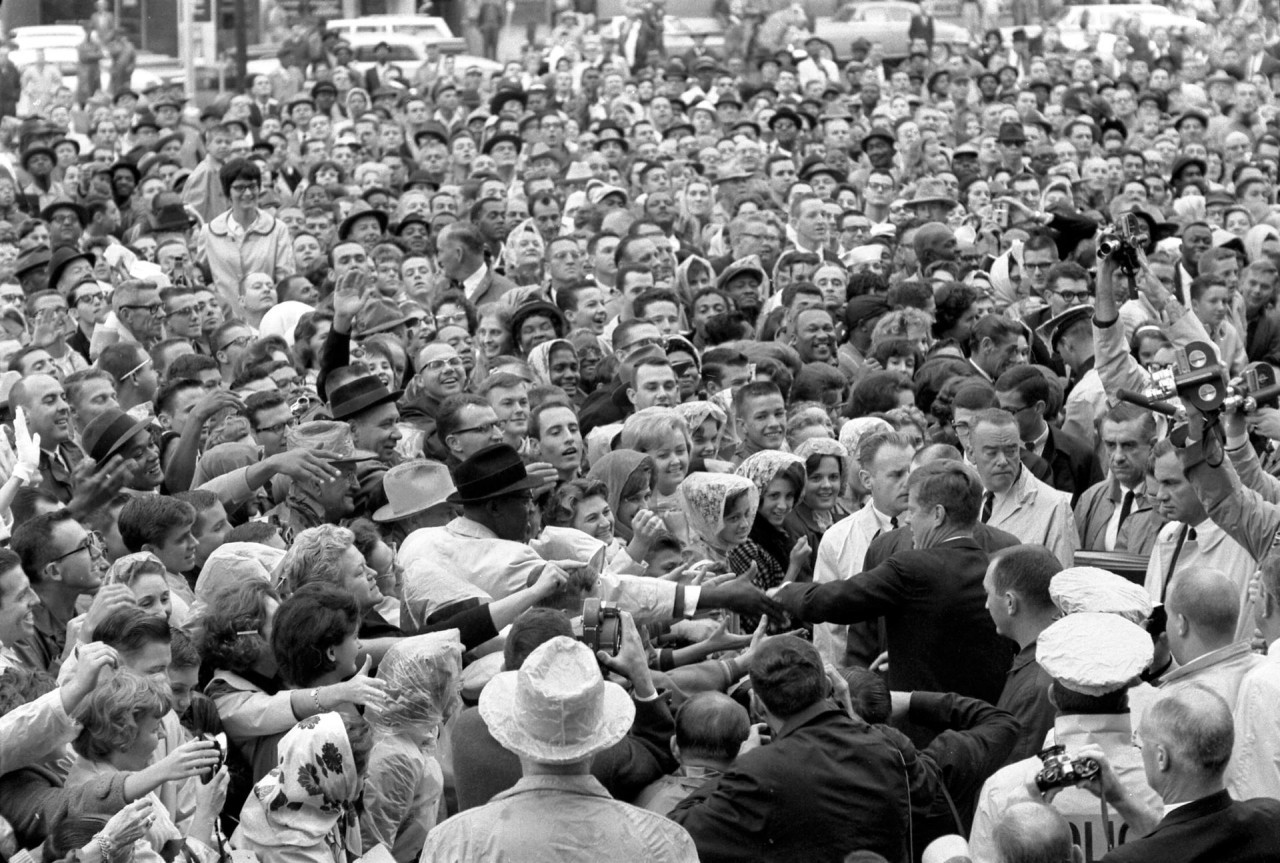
(27, 467)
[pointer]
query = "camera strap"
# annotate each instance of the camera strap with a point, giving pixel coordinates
(1106, 824)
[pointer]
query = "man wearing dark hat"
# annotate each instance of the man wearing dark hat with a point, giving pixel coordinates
(369, 409)
(114, 432)
(43, 190)
(1012, 140)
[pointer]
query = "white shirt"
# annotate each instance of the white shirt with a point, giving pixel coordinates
(1254, 770)
(841, 554)
(471, 284)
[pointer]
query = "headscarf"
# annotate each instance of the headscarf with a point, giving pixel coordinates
(702, 497)
(346, 102)
(540, 358)
(234, 563)
(282, 318)
(1003, 292)
(853, 431)
(696, 412)
(1254, 238)
(312, 796)
(683, 291)
(826, 446)
(614, 470)
(510, 256)
(422, 674)
(763, 468)
(129, 567)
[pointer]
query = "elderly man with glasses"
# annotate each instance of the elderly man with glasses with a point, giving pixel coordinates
(137, 316)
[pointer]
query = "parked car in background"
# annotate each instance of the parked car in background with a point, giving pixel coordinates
(61, 43)
(428, 28)
(883, 23)
(408, 52)
(1078, 26)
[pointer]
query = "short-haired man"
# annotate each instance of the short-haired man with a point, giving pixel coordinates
(1017, 587)
(1013, 499)
(884, 466)
(508, 395)
(710, 730)
(554, 428)
(1024, 392)
(761, 413)
(1187, 738)
(1115, 514)
(996, 344)
(654, 384)
(467, 424)
(791, 799)
(44, 402)
(931, 596)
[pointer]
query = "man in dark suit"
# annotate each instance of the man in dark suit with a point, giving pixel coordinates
(931, 597)
(828, 784)
(1024, 392)
(1187, 737)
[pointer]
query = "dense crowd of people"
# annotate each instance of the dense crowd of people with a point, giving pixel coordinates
(647, 455)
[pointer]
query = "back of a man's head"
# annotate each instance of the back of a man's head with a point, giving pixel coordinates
(1033, 833)
(530, 631)
(1193, 725)
(711, 725)
(787, 675)
(1205, 604)
(1026, 570)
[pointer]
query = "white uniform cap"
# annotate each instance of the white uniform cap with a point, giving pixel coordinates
(1088, 588)
(1094, 653)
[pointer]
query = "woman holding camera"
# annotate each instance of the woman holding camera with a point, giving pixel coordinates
(119, 731)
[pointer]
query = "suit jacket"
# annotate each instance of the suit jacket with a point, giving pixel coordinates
(1211, 829)
(827, 785)
(940, 634)
(1074, 465)
(1096, 506)
(492, 287)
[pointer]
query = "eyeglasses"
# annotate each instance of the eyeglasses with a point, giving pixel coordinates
(437, 365)
(133, 371)
(457, 319)
(241, 188)
(151, 310)
(880, 187)
(15, 299)
(92, 543)
(188, 312)
(237, 343)
(644, 343)
(279, 428)
(95, 297)
(1073, 296)
(486, 428)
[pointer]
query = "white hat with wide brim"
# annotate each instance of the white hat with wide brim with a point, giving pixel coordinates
(557, 708)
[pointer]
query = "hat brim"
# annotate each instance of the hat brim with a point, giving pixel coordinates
(526, 484)
(356, 457)
(506, 724)
(120, 442)
(363, 403)
(387, 512)
(344, 230)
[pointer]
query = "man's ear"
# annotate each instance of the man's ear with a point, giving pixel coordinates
(631, 395)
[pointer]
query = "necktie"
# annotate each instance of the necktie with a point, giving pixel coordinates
(893, 523)
(988, 501)
(455, 285)
(1125, 509)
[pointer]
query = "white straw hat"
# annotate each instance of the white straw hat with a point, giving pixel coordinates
(557, 708)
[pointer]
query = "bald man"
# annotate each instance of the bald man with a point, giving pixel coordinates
(1031, 832)
(1203, 611)
(1186, 740)
(44, 402)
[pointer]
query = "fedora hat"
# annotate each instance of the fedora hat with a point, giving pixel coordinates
(377, 315)
(39, 149)
(358, 395)
(507, 137)
(172, 217)
(414, 487)
(350, 221)
(62, 258)
(1011, 133)
(557, 708)
(33, 258)
(334, 437)
(82, 215)
(930, 190)
(494, 471)
(108, 433)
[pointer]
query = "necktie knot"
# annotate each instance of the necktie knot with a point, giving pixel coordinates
(988, 503)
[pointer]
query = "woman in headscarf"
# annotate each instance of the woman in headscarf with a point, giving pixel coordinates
(628, 478)
(706, 423)
(1259, 240)
(721, 509)
(556, 363)
(357, 103)
(405, 781)
(693, 274)
(1006, 279)
(524, 254)
(306, 810)
(826, 467)
(777, 554)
